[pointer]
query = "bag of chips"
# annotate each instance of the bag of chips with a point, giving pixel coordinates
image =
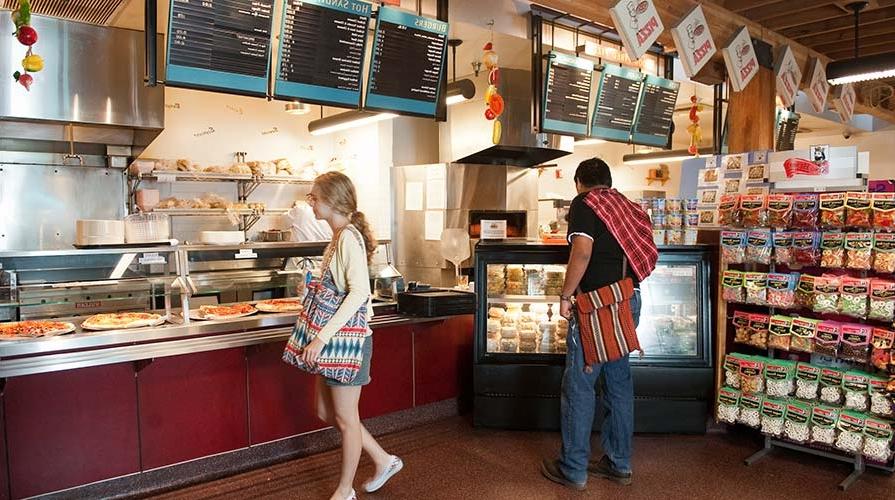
(805, 249)
(831, 386)
(858, 210)
(783, 248)
(728, 405)
(882, 300)
(780, 210)
(751, 374)
(877, 440)
(779, 334)
(797, 427)
(805, 291)
(772, 417)
(729, 211)
(856, 386)
(884, 211)
(850, 438)
(832, 250)
(732, 370)
(750, 409)
(732, 286)
(805, 210)
(754, 210)
(758, 330)
(758, 246)
(881, 342)
(779, 378)
(854, 297)
(807, 381)
(827, 338)
(741, 328)
(832, 210)
(823, 425)
(859, 251)
(733, 247)
(803, 332)
(879, 400)
(756, 285)
(884, 253)
(782, 290)
(855, 344)
(826, 294)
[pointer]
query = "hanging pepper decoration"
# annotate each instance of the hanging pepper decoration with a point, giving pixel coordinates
(493, 99)
(27, 36)
(693, 129)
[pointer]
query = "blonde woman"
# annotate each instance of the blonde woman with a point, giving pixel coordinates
(334, 200)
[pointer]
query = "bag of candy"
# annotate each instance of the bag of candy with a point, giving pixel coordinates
(805, 248)
(832, 250)
(780, 210)
(854, 297)
(884, 253)
(884, 211)
(877, 440)
(732, 370)
(858, 210)
(751, 374)
(754, 210)
(759, 246)
(879, 400)
(805, 209)
(783, 248)
(741, 327)
(855, 345)
(831, 386)
(797, 427)
(728, 405)
(859, 251)
(850, 438)
(856, 386)
(732, 286)
(733, 247)
(779, 376)
(807, 381)
(750, 409)
(823, 425)
(756, 285)
(832, 210)
(882, 300)
(805, 291)
(881, 343)
(758, 330)
(729, 211)
(782, 290)
(804, 331)
(826, 294)
(779, 334)
(772, 417)
(828, 338)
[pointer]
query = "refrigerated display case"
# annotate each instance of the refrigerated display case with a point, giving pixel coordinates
(521, 339)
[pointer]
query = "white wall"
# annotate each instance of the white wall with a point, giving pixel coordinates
(880, 144)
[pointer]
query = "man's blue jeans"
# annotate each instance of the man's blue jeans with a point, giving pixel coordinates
(578, 405)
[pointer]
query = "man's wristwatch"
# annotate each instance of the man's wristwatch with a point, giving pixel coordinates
(567, 298)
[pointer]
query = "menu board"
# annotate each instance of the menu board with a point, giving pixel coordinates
(220, 45)
(616, 103)
(321, 54)
(787, 125)
(655, 111)
(567, 94)
(407, 63)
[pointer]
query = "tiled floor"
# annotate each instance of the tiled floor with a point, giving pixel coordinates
(452, 460)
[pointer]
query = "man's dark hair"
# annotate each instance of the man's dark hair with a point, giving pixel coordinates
(593, 172)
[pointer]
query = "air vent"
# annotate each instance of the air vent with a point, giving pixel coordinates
(97, 12)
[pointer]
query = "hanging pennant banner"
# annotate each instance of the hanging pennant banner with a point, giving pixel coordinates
(639, 25)
(789, 75)
(740, 59)
(845, 103)
(818, 88)
(694, 42)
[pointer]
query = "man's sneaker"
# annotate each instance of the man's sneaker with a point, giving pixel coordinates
(604, 469)
(550, 470)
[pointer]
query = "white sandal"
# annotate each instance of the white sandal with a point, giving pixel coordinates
(393, 468)
(352, 495)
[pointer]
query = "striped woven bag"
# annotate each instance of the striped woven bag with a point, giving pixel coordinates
(606, 322)
(341, 357)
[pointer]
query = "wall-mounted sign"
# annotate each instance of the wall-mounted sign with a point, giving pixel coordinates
(740, 59)
(639, 25)
(694, 42)
(567, 94)
(655, 112)
(789, 75)
(818, 88)
(616, 103)
(845, 102)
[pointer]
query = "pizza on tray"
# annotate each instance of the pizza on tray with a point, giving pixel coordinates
(223, 312)
(115, 321)
(32, 329)
(279, 305)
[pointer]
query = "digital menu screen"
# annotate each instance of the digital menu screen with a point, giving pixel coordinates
(655, 112)
(407, 63)
(221, 45)
(321, 53)
(616, 103)
(567, 94)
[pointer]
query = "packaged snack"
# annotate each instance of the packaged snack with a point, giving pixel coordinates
(754, 210)
(851, 432)
(756, 285)
(780, 210)
(828, 338)
(758, 246)
(855, 344)
(729, 211)
(805, 249)
(732, 286)
(733, 246)
(859, 250)
(750, 409)
(772, 417)
(741, 327)
(674, 220)
(807, 381)
(734, 163)
(708, 196)
(804, 331)
(854, 297)
(823, 425)
(832, 210)
(858, 210)
(758, 330)
(756, 173)
(877, 440)
(732, 370)
(884, 211)
(783, 248)
(826, 294)
(856, 386)
(674, 205)
(881, 343)
(731, 186)
(728, 405)
(797, 427)
(805, 291)
(782, 290)
(779, 375)
(779, 334)
(884, 252)
(708, 217)
(879, 401)
(805, 209)
(751, 370)
(832, 250)
(709, 177)
(831, 386)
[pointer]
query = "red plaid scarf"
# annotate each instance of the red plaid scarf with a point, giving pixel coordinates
(630, 226)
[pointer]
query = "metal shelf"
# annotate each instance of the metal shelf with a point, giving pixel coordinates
(220, 177)
(526, 299)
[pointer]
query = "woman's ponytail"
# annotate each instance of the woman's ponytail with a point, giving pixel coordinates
(359, 220)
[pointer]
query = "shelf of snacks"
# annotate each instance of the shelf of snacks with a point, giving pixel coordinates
(674, 221)
(277, 171)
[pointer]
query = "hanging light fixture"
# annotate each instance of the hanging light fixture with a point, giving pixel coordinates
(458, 90)
(663, 156)
(860, 69)
(346, 120)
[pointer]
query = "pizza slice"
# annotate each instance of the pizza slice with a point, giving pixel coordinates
(32, 329)
(279, 305)
(224, 312)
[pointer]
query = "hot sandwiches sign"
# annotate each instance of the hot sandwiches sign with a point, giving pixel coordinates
(694, 42)
(638, 23)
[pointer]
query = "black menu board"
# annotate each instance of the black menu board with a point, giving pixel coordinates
(321, 54)
(220, 45)
(655, 111)
(407, 63)
(567, 94)
(616, 103)
(787, 126)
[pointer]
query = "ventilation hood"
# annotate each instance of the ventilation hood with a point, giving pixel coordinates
(469, 137)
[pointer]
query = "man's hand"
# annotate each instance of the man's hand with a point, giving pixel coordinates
(565, 309)
(311, 351)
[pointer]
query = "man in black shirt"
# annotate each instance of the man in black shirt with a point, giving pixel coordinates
(595, 260)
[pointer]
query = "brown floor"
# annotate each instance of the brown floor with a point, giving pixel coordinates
(452, 460)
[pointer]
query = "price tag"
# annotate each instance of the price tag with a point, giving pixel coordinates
(246, 253)
(152, 258)
(169, 178)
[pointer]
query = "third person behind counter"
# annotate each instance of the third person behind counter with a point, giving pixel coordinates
(610, 238)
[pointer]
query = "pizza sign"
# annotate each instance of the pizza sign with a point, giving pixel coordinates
(818, 88)
(694, 42)
(740, 59)
(845, 103)
(639, 25)
(789, 76)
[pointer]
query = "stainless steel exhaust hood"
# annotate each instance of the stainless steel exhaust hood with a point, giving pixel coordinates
(470, 137)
